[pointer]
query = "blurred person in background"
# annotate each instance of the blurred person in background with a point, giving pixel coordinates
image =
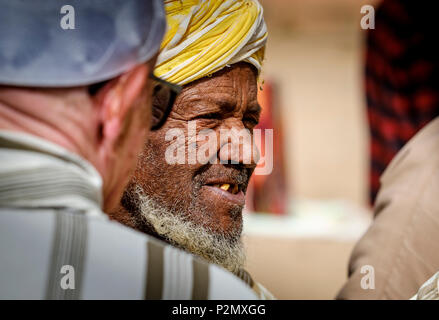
(402, 85)
(402, 79)
(75, 110)
(214, 49)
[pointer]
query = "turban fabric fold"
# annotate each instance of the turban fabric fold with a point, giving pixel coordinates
(204, 36)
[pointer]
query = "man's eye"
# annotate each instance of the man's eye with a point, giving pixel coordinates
(209, 116)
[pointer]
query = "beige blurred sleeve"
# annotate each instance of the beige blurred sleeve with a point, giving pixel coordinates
(402, 244)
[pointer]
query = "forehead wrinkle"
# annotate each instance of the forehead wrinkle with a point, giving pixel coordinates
(221, 101)
(223, 91)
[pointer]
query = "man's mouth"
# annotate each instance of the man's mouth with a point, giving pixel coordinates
(227, 191)
(229, 187)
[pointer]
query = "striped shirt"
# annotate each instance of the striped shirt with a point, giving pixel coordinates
(259, 289)
(55, 242)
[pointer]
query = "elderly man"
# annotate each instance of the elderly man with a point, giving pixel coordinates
(215, 50)
(75, 108)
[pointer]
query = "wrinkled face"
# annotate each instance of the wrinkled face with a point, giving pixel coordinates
(210, 195)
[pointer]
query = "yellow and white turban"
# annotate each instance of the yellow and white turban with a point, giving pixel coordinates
(204, 36)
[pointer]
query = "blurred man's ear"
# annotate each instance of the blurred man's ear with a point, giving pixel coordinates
(115, 99)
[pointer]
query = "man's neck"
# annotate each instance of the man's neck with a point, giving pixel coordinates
(44, 113)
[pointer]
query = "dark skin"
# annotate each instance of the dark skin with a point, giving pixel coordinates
(226, 100)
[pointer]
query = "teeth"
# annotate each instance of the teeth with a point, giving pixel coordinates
(235, 189)
(225, 186)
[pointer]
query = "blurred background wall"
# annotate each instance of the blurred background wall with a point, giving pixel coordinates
(314, 59)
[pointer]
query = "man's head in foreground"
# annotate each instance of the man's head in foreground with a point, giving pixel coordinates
(86, 89)
(190, 183)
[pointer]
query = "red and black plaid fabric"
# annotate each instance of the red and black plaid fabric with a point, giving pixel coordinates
(402, 78)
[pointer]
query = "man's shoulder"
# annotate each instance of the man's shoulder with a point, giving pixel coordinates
(172, 273)
(407, 215)
(110, 261)
(414, 164)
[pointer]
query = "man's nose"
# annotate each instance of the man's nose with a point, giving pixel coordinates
(237, 146)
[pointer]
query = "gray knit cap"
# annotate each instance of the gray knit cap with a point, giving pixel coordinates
(63, 43)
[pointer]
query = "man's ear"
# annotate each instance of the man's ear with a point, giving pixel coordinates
(115, 100)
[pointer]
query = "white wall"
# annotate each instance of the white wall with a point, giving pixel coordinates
(314, 55)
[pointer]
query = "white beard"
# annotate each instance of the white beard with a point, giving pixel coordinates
(189, 236)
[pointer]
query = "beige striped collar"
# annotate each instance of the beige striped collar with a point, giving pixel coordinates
(36, 173)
